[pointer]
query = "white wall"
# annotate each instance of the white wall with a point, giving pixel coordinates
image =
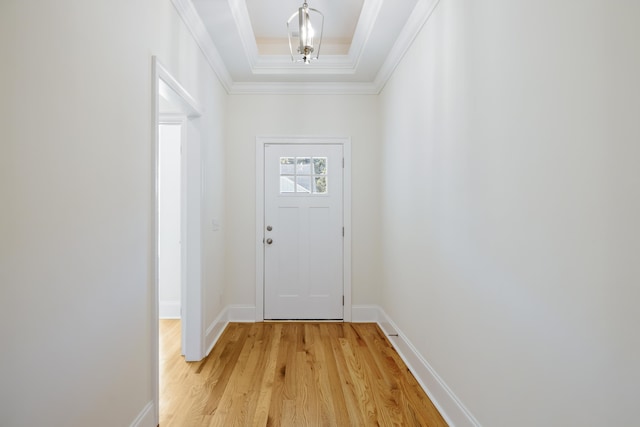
(76, 195)
(324, 115)
(511, 206)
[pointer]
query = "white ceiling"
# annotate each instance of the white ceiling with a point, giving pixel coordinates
(246, 42)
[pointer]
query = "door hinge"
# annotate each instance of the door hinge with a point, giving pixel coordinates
(343, 163)
(343, 300)
(342, 231)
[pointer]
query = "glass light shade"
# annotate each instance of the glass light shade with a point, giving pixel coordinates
(306, 33)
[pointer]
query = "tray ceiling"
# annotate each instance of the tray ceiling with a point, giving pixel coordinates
(246, 43)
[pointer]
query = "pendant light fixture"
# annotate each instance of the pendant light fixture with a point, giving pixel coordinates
(305, 34)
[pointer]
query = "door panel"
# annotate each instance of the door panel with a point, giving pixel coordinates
(303, 268)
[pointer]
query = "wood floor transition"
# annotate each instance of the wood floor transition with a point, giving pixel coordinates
(291, 374)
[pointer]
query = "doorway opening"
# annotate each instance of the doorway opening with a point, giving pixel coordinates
(171, 228)
(176, 257)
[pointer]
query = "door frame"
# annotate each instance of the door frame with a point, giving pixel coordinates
(163, 83)
(261, 141)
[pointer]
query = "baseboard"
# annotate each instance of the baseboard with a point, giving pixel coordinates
(231, 313)
(146, 417)
(213, 332)
(450, 407)
(242, 313)
(169, 309)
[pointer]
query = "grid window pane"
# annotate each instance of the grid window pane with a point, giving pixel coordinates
(303, 166)
(303, 184)
(320, 185)
(287, 165)
(287, 184)
(320, 166)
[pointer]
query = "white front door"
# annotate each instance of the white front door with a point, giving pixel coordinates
(303, 256)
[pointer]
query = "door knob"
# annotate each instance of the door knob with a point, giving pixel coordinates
(269, 241)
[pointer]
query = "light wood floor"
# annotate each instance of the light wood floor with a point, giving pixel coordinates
(291, 374)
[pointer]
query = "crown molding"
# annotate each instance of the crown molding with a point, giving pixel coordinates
(419, 17)
(240, 15)
(282, 65)
(194, 23)
(301, 88)
(368, 17)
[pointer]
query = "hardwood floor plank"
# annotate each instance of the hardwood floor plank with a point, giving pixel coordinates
(225, 357)
(322, 380)
(388, 411)
(291, 375)
(263, 401)
(416, 401)
(332, 382)
(359, 380)
(276, 406)
(231, 409)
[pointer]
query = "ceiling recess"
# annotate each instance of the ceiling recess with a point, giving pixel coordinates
(246, 43)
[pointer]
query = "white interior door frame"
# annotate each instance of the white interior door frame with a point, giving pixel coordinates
(165, 85)
(261, 141)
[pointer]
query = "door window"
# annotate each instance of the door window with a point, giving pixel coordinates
(303, 175)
